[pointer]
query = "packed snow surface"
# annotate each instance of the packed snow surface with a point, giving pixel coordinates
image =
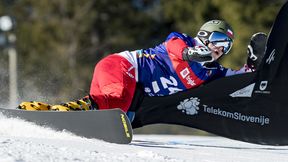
(21, 141)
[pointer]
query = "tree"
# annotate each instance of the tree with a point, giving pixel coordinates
(59, 42)
(188, 16)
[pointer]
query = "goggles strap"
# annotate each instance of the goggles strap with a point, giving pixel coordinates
(204, 40)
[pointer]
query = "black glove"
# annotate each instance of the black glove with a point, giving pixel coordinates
(256, 50)
(197, 53)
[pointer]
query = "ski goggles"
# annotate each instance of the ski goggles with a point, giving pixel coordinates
(221, 40)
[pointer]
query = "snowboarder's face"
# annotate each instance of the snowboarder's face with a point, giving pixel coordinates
(217, 52)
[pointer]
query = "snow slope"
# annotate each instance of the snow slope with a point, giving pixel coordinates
(24, 141)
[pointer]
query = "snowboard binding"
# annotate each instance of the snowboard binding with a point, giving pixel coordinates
(34, 106)
(82, 104)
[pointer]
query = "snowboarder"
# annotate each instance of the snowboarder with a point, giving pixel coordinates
(179, 63)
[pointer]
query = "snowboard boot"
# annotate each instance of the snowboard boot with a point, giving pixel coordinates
(256, 50)
(34, 106)
(82, 104)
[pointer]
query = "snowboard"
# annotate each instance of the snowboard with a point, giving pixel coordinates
(108, 125)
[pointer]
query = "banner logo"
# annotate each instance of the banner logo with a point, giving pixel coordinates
(244, 92)
(189, 106)
(271, 57)
(193, 107)
(263, 85)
